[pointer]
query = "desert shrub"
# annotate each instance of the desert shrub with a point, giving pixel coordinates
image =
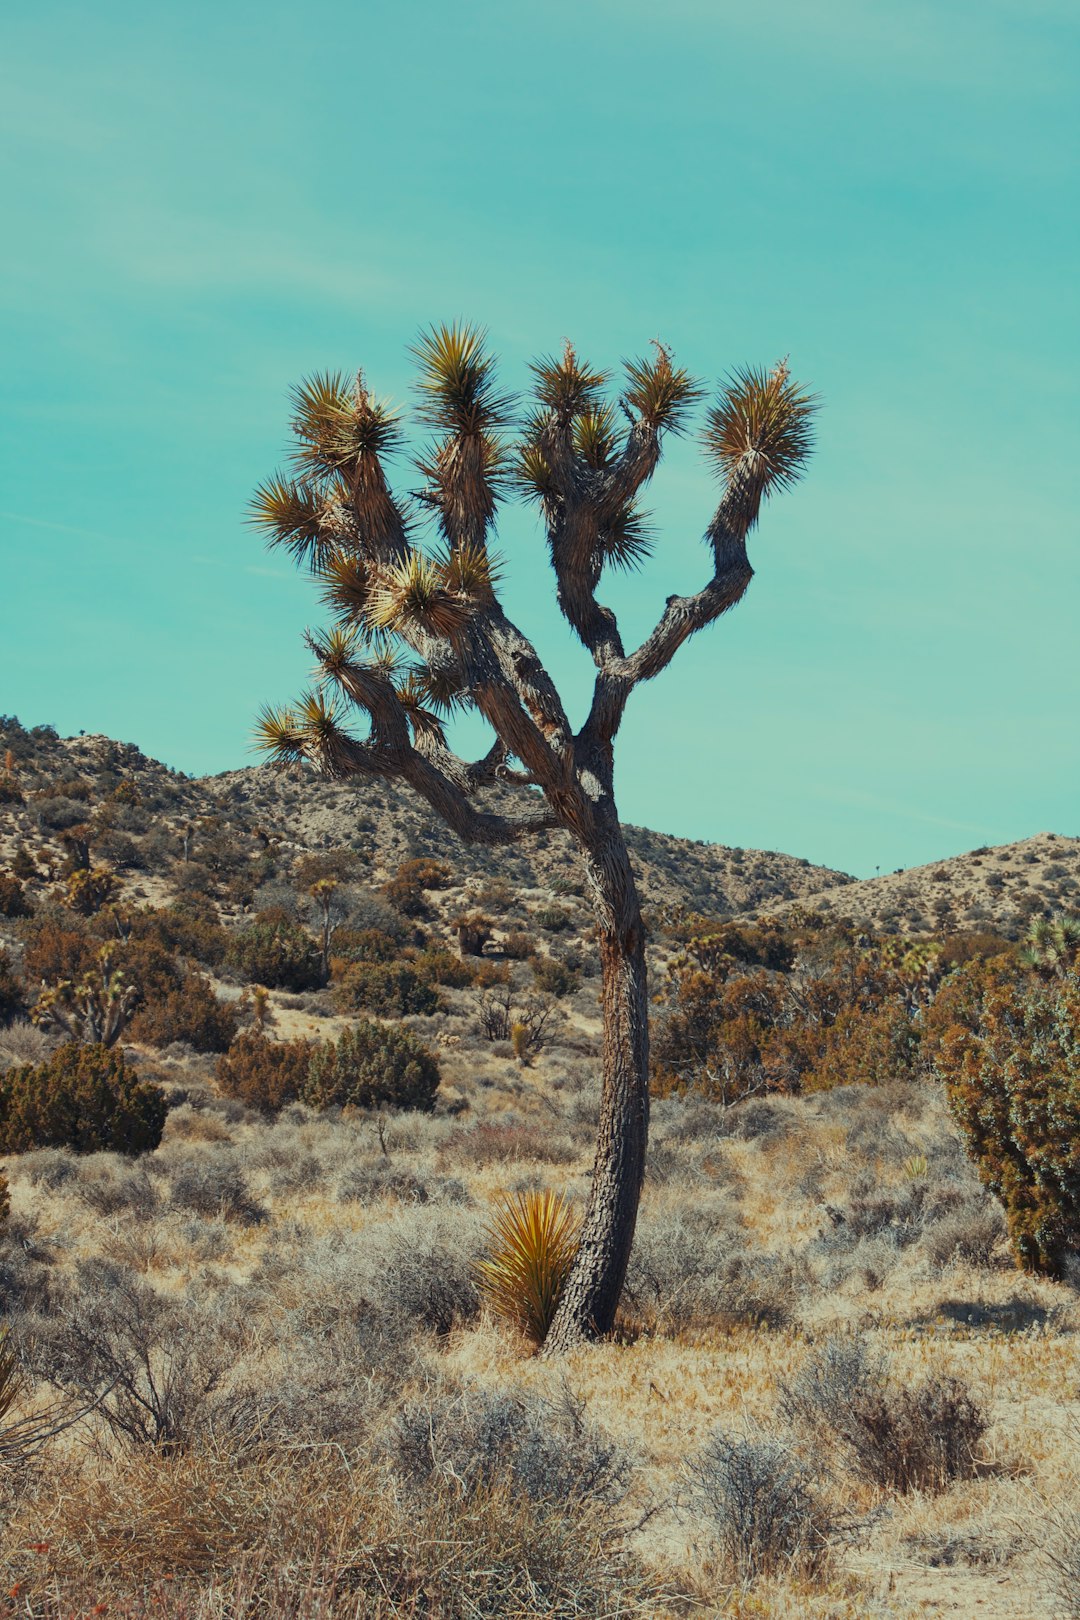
(13, 902)
(76, 788)
(118, 849)
(186, 929)
(1010, 1059)
(58, 814)
(531, 1243)
(422, 1275)
(904, 1439)
(517, 946)
(487, 974)
(54, 952)
(192, 1014)
(117, 1187)
(693, 1270)
(5, 1201)
(264, 1074)
(406, 889)
(366, 945)
(370, 910)
(10, 791)
(443, 967)
(275, 952)
(372, 1065)
(499, 1011)
(192, 880)
(850, 1015)
(972, 1233)
(83, 1097)
(23, 865)
(369, 1184)
(544, 1450)
(553, 919)
(388, 988)
(150, 1363)
(764, 1510)
(210, 1187)
(553, 977)
(498, 1141)
(12, 1004)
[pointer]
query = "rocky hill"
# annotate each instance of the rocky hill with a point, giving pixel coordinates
(177, 832)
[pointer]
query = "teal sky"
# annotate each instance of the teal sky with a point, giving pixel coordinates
(202, 202)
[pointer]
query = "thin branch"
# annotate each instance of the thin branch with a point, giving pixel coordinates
(683, 616)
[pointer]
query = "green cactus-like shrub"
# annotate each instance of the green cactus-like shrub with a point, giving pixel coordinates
(371, 1066)
(83, 1097)
(265, 1074)
(273, 951)
(1007, 1045)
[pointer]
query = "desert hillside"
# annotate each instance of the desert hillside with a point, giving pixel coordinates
(273, 1056)
(258, 815)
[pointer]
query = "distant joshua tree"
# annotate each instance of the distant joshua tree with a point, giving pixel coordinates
(421, 633)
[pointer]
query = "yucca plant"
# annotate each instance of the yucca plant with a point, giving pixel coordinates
(582, 451)
(533, 1238)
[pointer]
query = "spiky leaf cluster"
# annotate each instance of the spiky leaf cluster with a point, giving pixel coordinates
(533, 1238)
(660, 393)
(456, 382)
(567, 385)
(759, 435)
(338, 424)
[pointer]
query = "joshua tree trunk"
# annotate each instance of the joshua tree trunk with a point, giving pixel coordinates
(592, 1294)
(441, 611)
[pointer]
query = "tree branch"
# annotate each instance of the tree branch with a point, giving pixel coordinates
(683, 616)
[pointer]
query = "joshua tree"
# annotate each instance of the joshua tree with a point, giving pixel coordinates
(419, 633)
(1053, 946)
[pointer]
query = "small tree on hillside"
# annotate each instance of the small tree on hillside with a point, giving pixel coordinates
(420, 633)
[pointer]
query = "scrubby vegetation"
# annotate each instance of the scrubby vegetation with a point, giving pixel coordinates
(250, 1272)
(85, 1098)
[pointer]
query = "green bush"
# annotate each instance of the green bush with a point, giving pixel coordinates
(189, 928)
(372, 1065)
(275, 952)
(553, 976)
(10, 791)
(406, 889)
(190, 1013)
(12, 1003)
(265, 1074)
(13, 902)
(443, 967)
(551, 918)
(388, 988)
(1007, 1045)
(366, 945)
(85, 1098)
(23, 864)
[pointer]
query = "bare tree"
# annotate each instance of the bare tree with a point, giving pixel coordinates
(419, 634)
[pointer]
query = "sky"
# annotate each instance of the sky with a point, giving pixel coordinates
(204, 202)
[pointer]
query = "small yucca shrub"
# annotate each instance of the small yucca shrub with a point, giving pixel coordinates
(532, 1239)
